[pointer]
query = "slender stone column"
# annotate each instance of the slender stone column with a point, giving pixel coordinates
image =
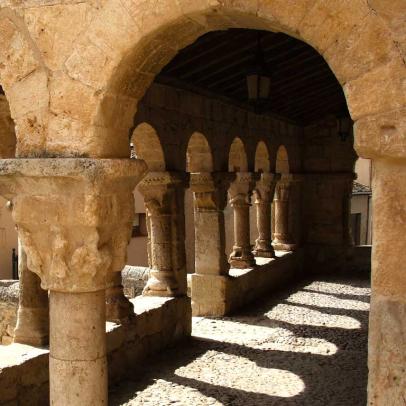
(210, 199)
(32, 317)
(239, 192)
(283, 240)
(118, 308)
(67, 213)
(264, 194)
(167, 273)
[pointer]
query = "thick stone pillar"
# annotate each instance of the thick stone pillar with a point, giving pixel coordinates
(264, 194)
(283, 240)
(387, 321)
(68, 214)
(210, 199)
(239, 195)
(210, 282)
(32, 317)
(161, 191)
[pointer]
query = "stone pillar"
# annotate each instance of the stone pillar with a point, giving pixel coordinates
(32, 317)
(264, 194)
(210, 284)
(282, 239)
(118, 308)
(239, 194)
(163, 209)
(387, 320)
(210, 199)
(67, 213)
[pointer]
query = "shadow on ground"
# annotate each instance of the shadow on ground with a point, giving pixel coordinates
(338, 379)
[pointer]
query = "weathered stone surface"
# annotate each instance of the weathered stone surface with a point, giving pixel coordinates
(81, 181)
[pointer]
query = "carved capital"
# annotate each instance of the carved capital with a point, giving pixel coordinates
(265, 188)
(156, 187)
(73, 216)
(243, 184)
(210, 190)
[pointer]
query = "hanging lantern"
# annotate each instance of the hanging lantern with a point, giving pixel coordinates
(258, 77)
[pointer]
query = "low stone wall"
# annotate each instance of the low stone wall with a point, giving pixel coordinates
(9, 291)
(220, 295)
(157, 324)
(134, 281)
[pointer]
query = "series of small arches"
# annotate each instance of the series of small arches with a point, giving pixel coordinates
(146, 145)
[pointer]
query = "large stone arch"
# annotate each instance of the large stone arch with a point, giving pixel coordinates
(24, 78)
(354, 39)
(7, 131)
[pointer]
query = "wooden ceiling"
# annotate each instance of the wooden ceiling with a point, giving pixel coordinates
(303, 87)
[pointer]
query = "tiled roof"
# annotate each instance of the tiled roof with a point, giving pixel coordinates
(359, 189)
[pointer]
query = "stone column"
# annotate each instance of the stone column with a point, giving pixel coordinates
(264, 194)
(210, 284)
(282, 239)
(32, 317)
(387, 320)
(118, 308)
(167, 276)
(239, 194)
(67, 213)
(210, 199)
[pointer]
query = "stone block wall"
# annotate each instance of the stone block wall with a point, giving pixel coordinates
(176, 114)
(9, 293)
(157, 323)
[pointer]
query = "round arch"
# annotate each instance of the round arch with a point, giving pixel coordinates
(262, 163)
(282, 161)
(237, 157)
(199, 157)
(7, 130)
(147, 146)
(344, 33)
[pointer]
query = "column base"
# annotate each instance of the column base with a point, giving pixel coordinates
(210, 295)
(264, 253)
(32, 327)
(242, 263)
(280, 246)
(161, 284)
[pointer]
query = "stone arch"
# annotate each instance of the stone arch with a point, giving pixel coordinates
(262, 163)
(237, 157)
(282, 161)
(7, 130)
(24, 78)
(147, 146)
(344, 32)
(199, 157)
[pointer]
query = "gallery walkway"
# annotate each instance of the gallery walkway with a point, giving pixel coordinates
(308, 346)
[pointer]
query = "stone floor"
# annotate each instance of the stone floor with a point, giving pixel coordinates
(308, 346)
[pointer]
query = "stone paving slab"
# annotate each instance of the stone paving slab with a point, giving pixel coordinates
(304, 346)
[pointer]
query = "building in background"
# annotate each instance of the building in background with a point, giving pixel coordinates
(361, 210)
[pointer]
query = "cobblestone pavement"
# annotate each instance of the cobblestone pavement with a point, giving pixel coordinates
(305, 346)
